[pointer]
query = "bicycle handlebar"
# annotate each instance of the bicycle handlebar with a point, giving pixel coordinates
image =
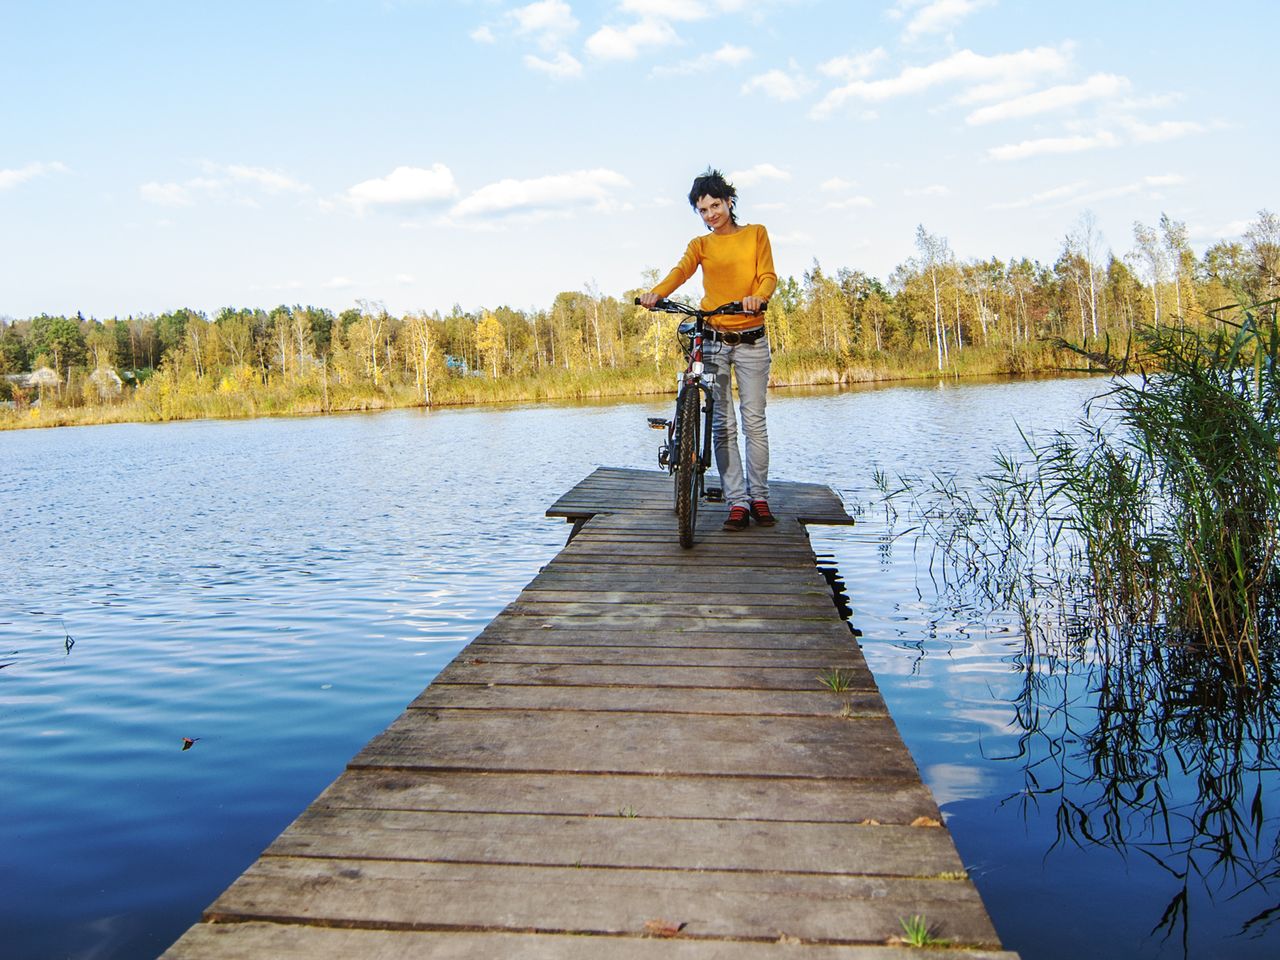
(674, 306)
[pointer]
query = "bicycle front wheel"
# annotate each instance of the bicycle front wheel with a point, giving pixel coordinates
(687, 473)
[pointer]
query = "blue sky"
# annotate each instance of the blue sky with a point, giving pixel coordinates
(424, 153)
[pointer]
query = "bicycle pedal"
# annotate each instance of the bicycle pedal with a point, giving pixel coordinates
(658, 423)
(713, 495)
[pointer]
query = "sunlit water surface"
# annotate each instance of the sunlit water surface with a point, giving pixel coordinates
(281, 589)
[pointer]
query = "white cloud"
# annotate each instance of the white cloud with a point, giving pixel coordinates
(857, 67)
(933, 190)
(1148, 184)
(482, 35)
(12, 177)
(779, 85)
(1050, 145)
(1053, 193)
(727, 55)
(1097, 87)
(836, 184)
(757, 174)
(338, 283)
(1163, 130)
(625, 43)
(224, 184)
(665, 9)
(405, 278)
(549, 22)
(732, 55)
(269, 180)
(563, 65)
(543, 195)
(406, 185)
(941, 16)
(964, 68)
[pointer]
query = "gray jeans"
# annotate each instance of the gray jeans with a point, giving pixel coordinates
(751, 364)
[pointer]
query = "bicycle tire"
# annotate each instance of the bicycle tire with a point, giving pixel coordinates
(687, 463)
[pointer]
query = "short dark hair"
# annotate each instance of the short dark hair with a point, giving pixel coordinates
(713, 184)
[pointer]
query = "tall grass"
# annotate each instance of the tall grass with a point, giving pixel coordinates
(1160, 508)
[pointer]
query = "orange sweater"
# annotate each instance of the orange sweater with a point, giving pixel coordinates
(733, 266)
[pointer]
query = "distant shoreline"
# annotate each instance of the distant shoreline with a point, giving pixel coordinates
(459, 392)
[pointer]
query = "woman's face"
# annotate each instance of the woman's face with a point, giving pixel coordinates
(715, 214)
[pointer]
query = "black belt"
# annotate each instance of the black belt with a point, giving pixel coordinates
(733, 337)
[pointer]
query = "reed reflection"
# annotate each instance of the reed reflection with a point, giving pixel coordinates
(1143, 745)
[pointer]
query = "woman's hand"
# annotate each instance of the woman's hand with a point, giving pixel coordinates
(753, 304)
(647, 300)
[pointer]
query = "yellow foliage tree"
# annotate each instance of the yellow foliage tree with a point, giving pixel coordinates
(489, 340)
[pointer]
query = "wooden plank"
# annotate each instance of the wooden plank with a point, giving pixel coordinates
(814, 660)
(257, 940)
(484, 696)
(618, 611)
(616, 902)
(508, 632)
(637, 742)
(657, 624)
(597, 675)
(587, 583)
(619, 841)
(725, 798)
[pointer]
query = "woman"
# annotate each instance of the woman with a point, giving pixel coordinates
(737, 264)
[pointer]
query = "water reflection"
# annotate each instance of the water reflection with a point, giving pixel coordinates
(1125, 739)
(1133, 742)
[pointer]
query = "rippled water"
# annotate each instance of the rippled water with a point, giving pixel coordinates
(281, 589)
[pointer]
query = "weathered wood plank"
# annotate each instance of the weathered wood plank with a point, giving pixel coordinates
(724, 798)
(618, 611)
(588, 583)
(258, 940)
(624, 675)
(806, 599)
(514, 632)
(419, 896)
(659, 622)
(622, 840)
(483, 696)
(833, 656)
(636, 742)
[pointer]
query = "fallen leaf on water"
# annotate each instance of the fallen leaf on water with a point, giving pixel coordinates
(925, 822)
(188, 741)
(663, 928)
(868, 823)
(787, 938)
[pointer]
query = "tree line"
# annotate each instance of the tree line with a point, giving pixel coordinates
(934, 311)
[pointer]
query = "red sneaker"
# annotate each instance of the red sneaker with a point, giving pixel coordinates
(760, 511)
(739, 519)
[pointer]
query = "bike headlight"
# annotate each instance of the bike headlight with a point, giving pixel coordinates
(696, 368)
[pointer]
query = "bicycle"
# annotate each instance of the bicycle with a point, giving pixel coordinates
(687, 451)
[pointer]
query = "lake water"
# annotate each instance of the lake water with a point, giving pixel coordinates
(279, 590)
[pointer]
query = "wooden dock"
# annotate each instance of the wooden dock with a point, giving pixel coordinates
(636, 759)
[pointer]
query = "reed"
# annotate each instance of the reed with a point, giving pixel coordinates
(1160, 507)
